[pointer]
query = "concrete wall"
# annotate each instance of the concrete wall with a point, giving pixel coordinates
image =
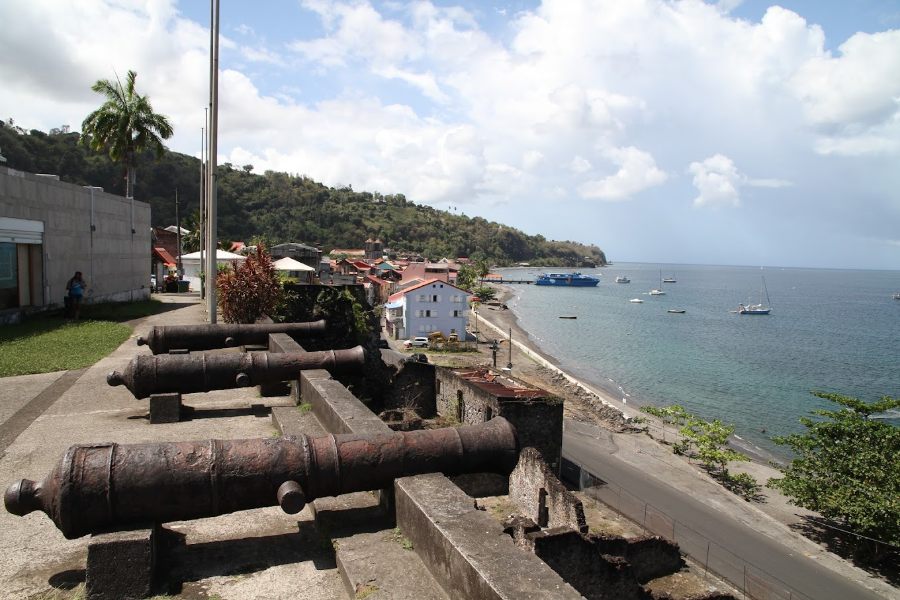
(115, 263)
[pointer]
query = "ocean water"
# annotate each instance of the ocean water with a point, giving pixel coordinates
(835, 331)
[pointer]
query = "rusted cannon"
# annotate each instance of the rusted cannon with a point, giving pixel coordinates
(188, 373)
(103, 485)
(164, 338)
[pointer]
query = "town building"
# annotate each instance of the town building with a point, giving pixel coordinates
(429, 306)
(307, 255)
(443, 271)
(374, 250)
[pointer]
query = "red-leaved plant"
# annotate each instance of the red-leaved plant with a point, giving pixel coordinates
(250, 289)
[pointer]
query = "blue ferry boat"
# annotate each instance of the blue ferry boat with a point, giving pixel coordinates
(575, 279)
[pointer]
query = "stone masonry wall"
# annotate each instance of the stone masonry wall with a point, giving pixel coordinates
(594, 575)
(542, 497)
(538, 422)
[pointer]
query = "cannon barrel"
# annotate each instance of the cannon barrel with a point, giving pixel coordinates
(164, 338)
(103, 485)
(188, 373)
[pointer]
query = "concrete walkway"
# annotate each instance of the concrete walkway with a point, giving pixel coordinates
(254, 554)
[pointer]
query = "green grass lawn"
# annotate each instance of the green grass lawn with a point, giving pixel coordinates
(47, 344)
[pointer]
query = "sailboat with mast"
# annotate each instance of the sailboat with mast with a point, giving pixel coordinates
(658, 291)
(758, 308)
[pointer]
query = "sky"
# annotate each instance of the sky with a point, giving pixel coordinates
(683, 132)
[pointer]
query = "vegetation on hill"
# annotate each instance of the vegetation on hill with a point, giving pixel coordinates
(281, 207)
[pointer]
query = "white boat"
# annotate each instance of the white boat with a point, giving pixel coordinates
(658, 291)
(622, 279)
(896, 296)
(758, 308)
(677, 311)
(670, 279)
(636, 301)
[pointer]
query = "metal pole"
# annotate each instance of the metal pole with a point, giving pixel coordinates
(213, 147)
(178, 237)
(93, 228)
(509, 365)
(202, 233)
(706, 567)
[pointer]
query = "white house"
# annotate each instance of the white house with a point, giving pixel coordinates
(432, 305)
(194, 263)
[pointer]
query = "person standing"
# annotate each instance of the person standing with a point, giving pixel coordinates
(76, 287)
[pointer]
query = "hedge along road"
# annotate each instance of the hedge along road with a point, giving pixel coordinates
(785, 565)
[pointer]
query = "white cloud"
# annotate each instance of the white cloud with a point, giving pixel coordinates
(860, 87)
(717, 180)
(576, 100)
(580, 165)
(532, 159)
(637, 171)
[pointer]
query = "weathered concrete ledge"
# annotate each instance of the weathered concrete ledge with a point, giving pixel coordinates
(466, 549)
(338, 410)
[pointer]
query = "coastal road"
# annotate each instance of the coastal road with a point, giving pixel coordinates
(582, 446)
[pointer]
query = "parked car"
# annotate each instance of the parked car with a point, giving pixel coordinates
(383, 343)
(419, 342)
(422, 358)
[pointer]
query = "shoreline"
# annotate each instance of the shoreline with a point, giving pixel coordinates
(591, 410)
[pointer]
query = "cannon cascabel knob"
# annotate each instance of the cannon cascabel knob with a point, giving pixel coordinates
(290, 497)
(20, 498)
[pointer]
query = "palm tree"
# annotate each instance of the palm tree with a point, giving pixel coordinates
(126, 124)
(190, 241)
(482, 269)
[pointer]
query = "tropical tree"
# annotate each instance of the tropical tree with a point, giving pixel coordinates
(126, 125)
(190, 241)
(466, 277)
(846, 470)
(482, 269)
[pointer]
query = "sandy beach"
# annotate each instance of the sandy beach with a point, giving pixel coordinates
(642, 444)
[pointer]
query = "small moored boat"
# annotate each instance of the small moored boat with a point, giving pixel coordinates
(568, 317)
(622, 279)
(677, 311)
(636, 300)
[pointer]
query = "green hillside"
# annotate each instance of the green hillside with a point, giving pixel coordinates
(288, 208)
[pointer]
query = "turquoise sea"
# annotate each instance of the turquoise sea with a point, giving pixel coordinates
(830, 330)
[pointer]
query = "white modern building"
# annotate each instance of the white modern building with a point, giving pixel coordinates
(430, 306)
(50, 229)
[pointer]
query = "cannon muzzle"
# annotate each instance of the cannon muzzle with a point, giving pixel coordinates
(165, 338)
(102, 485)
(189, 373)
